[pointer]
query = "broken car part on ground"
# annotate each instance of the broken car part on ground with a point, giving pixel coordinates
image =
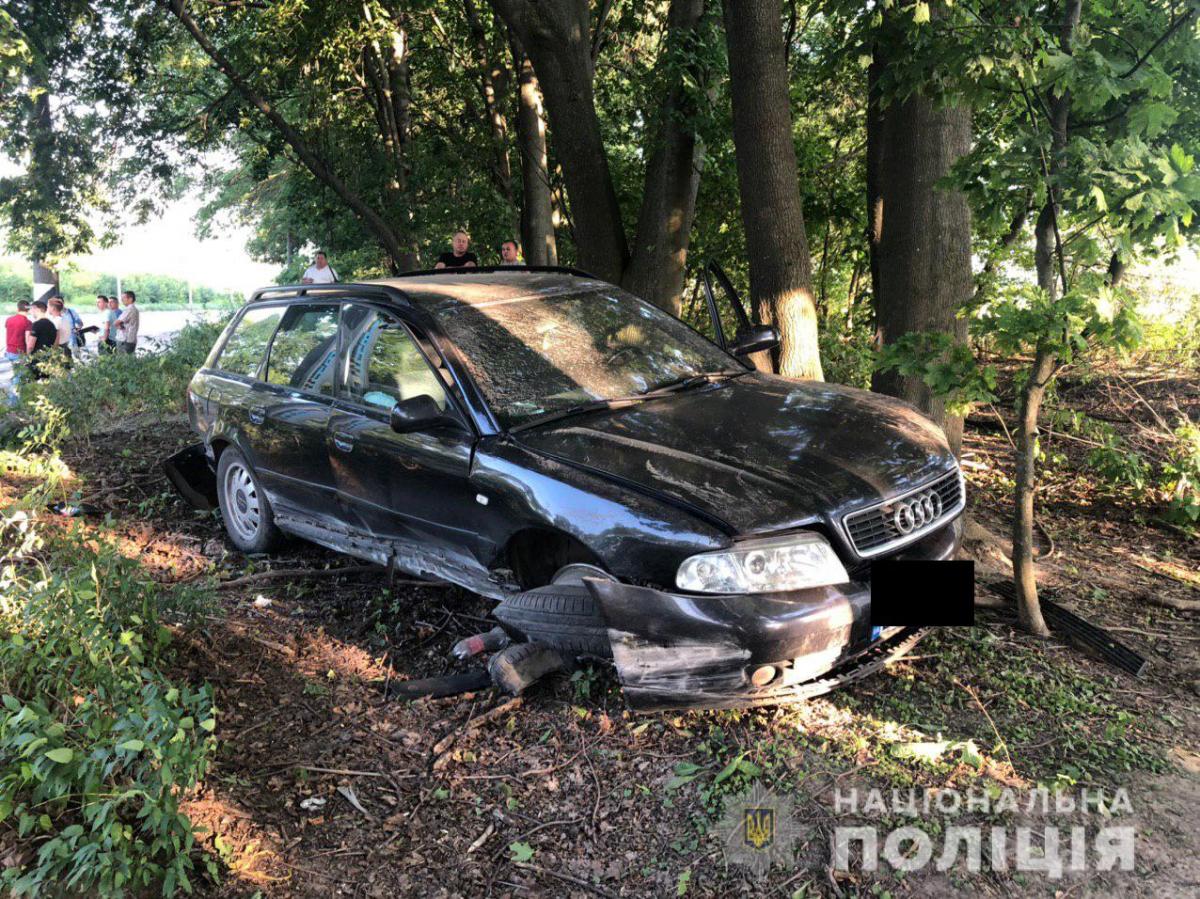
(625, 487)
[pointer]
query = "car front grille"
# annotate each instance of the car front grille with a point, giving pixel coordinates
(905, 518)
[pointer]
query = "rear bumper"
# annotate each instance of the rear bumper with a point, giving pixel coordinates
(686, 651)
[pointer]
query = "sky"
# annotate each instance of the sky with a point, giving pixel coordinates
(168, 246)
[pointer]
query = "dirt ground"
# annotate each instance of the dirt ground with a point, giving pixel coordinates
(322, 786)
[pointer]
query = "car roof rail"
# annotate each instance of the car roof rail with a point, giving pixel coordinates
(277, 291)
(482, 269)
(281, 291)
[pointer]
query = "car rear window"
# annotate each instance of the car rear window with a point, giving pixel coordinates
(244, 350)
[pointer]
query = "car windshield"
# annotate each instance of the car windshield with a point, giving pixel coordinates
(541, 354)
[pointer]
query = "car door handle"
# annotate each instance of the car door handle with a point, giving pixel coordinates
(257, 415)
(343, 442)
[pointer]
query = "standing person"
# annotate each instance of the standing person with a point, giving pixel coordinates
(320, 272)
(461, 256)
(510, 253)
(41, 338)
(16, 329)
(101, 323)
(114, 313)
(75, 322)
(127, 323)
(62, 324)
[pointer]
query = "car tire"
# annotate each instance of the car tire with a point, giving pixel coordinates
(562, 616)
(245, 509)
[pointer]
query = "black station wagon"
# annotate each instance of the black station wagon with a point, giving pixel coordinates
(624, 486)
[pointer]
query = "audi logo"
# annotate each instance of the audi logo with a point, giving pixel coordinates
(916, 511)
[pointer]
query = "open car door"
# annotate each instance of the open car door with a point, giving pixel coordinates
(748, 337)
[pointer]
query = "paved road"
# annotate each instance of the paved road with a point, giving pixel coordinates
(157, 328)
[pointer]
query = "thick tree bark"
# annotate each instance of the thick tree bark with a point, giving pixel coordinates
(558, 40)
(923, 257)
(400, 257)
(537, 209)
(656, 270)
(780, 267)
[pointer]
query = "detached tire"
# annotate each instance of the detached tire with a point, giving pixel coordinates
(245, 509)
(561, 616)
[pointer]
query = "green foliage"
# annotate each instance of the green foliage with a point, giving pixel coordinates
(1022, 321)
(1181, 478)
(119, 383)
(96, 744)
(847, 353)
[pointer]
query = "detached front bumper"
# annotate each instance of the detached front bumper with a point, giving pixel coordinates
(688, 651)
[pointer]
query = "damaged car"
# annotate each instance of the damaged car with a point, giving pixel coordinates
(625, 487)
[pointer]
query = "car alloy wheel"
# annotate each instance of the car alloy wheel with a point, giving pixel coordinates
(243, 507)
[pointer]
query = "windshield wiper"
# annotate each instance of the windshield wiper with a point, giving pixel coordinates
(687, 382)
(620, 402)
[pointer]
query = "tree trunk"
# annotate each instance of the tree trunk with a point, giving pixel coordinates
(924, 251)
(1047, 250)
(780, 268)
(656, 271)
(400, 258)
(493, 85)
(875, 153)
(557, 38)
(537, 210)
(1029, 610)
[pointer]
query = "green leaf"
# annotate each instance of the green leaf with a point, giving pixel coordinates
(521, 852)
(683, 882)
(62, 755)
(730, 769)
(921, 13)
(132, 745)
(1098, 196)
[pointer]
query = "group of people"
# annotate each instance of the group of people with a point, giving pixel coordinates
(48, 326)
(460, 256)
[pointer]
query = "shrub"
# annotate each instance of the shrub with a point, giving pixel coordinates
(121, 384)
(96, 743)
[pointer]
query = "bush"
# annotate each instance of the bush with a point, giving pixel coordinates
(96, 743)
(121, 384)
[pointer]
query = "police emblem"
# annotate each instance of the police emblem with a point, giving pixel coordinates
(758, 829)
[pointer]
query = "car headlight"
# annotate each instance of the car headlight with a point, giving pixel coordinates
(775, 564)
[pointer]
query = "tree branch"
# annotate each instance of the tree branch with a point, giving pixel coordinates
(308, 156)
(1166, 36)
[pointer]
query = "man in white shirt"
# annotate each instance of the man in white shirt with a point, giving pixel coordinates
(321, 272)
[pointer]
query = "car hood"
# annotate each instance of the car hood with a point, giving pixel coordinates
(760, 453)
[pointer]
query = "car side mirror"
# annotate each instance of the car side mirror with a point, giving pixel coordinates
(756, 339)
(417, 414)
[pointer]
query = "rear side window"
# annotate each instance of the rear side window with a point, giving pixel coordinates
(246, 346)
(384, 365)
(304, 351)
